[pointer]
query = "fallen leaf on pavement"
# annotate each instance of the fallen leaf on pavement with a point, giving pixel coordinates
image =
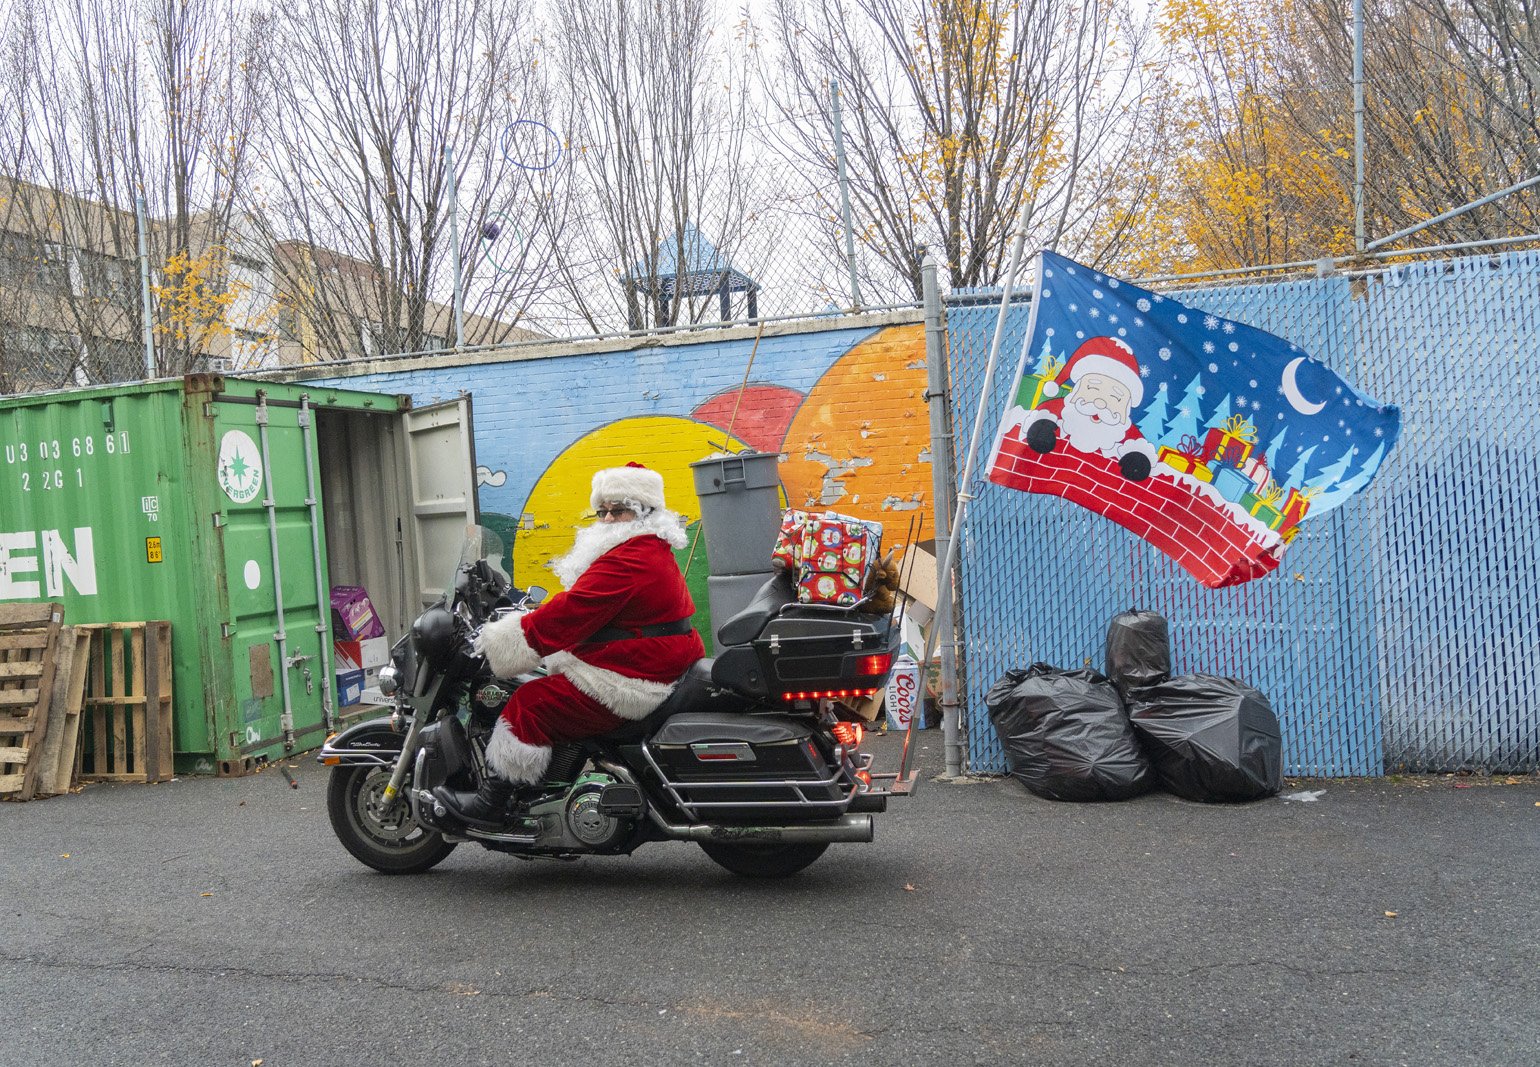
(205, 894)
(1390, 915)
(908, 888)
(64, 855)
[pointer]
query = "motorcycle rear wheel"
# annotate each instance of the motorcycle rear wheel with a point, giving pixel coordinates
(764, 861)
(392, 844)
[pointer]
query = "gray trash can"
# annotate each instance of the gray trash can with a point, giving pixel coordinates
(740, 504)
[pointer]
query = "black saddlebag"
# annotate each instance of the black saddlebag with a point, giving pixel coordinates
(807, 652)
(726, 766)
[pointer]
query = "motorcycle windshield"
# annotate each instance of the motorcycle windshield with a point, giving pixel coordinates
(480, 543)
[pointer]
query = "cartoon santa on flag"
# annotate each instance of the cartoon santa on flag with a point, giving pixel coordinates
(1103, 388)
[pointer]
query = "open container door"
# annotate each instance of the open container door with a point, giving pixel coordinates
(441, 455)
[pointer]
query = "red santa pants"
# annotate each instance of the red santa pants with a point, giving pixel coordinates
(551, 710)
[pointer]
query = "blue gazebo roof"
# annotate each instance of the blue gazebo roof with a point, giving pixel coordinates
(704, 269)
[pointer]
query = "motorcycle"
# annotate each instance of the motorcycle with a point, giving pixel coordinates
(748, 757)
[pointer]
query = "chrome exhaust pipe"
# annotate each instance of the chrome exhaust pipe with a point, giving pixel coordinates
(847, 828)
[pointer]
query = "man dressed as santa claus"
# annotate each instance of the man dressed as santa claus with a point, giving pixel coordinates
(1097, 415)
(615, 641)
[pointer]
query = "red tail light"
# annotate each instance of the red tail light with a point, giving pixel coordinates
(848, 734)
(874, 665)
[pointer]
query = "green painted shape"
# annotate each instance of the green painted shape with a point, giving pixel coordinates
(695, 574)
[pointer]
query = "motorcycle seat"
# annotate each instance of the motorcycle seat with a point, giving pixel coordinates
(774, 595)
(693, 692)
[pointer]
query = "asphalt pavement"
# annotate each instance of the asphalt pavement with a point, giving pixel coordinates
(217, 922)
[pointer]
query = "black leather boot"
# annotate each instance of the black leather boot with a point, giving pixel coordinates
(485, 809)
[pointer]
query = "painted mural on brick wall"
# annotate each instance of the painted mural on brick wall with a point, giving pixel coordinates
(1209, 438)
(855, 439)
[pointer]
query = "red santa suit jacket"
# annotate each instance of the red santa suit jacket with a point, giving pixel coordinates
(633, 585)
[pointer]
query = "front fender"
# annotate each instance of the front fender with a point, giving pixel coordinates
(364, 744)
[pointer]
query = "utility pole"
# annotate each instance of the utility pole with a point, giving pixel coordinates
(454, 245)
(1358, 126)
(942, 490)
(844, 179)
(144, 292)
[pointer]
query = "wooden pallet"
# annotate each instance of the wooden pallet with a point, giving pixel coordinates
(28, 638)
(126, 721)
(56, 773)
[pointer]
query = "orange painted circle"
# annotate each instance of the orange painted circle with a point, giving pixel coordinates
(860, 443)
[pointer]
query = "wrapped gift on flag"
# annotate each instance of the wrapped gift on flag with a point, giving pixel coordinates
(1230, 444)
(1206, 436)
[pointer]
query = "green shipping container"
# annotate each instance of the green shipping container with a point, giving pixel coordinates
(231, 507)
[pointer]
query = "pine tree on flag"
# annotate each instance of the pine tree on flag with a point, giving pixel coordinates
(1300, 471)
(1189, 414)
(1153, 422)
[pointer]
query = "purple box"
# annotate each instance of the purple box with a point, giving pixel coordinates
(353, 615)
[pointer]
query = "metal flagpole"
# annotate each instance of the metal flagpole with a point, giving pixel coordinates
(944, 593)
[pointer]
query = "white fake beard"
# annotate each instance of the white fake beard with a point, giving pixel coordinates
(594, 541)
(1087, 434)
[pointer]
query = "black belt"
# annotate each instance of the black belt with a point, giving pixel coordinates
(626, 633)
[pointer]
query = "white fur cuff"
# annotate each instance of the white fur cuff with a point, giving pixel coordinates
(508, 652)
(514, 760)
(628, 698)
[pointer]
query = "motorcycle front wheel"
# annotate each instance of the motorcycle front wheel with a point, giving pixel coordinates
(391, 844)
(764, 861)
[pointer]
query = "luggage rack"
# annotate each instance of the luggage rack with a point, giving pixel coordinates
(679, 791)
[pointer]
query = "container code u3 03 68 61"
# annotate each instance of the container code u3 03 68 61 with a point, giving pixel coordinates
(35, 465)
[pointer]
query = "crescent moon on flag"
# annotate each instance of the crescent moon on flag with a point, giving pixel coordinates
(1291, 390)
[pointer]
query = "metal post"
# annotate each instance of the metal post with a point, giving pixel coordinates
(1453, 212)
(942, 490)
(454, 245)
(1358, 126)
(839, 162)
(322, 599)
(944, 593)
(144, 289)
(281, 635)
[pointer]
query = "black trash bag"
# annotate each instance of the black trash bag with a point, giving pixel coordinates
(1066, 735)
(1211, 739)
(1138, 649)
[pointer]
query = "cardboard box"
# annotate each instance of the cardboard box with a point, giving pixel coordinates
(350, 687)
(361, 655)
(917, 577)
(353, 614)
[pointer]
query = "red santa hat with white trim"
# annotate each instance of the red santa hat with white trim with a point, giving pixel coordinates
(1107, 356)
(631, 484)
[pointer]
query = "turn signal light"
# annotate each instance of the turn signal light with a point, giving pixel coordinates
(874, 665)
(819, 694)
(848, 734)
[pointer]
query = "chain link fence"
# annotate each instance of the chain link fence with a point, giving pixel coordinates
(1402, 631)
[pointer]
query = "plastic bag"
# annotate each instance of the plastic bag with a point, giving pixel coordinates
(1066, 735)
(1138, 649)
(1210, 738)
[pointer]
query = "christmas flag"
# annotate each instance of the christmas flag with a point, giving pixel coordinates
(1208, 438)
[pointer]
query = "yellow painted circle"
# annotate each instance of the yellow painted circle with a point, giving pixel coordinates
(559, 501)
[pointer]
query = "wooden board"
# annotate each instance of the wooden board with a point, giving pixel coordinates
(28, 657)
(57, 772)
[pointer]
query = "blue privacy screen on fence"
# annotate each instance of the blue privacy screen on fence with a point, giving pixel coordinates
(1402, 631)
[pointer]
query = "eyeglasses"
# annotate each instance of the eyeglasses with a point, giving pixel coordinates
(613, 512)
